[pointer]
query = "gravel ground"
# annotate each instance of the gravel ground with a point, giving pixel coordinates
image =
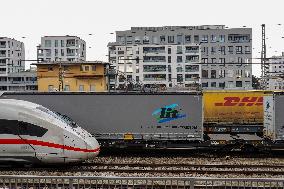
(179, 160)
(164, 160)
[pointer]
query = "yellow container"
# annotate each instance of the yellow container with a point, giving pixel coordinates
(233, 107)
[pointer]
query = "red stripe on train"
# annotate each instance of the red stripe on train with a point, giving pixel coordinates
(46, 144)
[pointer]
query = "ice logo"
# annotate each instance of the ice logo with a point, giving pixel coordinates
(167, 113)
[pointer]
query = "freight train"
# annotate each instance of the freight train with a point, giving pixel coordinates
(33, 134)
(164, 120)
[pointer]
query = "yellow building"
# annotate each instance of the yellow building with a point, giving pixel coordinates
(72, 76)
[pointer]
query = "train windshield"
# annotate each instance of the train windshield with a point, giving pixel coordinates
(59, 116)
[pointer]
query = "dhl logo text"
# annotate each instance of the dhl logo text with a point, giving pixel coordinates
(244, 101)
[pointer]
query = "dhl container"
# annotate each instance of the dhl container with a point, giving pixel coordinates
(233, 107)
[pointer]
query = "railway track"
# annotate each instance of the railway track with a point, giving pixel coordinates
(159, 168)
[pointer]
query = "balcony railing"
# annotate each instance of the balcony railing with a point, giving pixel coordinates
(2, 55)
(70, 45)
(2, 46)
(192, 51)
(70, 54)
(154, 79)
(191, 61)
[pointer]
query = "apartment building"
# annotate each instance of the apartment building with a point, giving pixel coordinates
(275, 76)
(20, 81)
(61, 48)
(157, 65)
(225, 52)
(11, 54)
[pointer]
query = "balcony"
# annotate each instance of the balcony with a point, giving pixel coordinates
(154, 59)
(70, 54)
(70, 45)
(2, 46)
(2, 55)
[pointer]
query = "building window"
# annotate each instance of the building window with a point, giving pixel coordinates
(222, 38)
(179, 59)
(179, 39)
(50, 68)
(169, 51)
(231, 49)
(222, 60)
(213, 50)
(169, 59)
(81, 87)
(213, 60)
(204, 39)
(179, 78)
(62, 43)
(47, 43)
(213, 38)
(92, 88)
(50, 88)
(205, 84)
(223, 50)
(170, 77)
(204, 73)
(87, 68)
(204, 60)
(93, 68)
(169, 68)
(137, 78)
(247, 50)
(222, 85)
(187, 39)
(204, 51)
(213, 84)
(162, 38)
(56, 43)
(171, 39)
(239, 84)
(179, 69)
(67, 88)
(196, 39)
(179, 49)
(213, 74)
(239, 50)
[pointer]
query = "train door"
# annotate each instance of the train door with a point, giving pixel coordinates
(46, 144)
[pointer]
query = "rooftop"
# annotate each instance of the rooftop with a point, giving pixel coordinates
(70, 63)
(62, 36)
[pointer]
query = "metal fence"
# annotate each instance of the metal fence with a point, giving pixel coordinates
(87, 182)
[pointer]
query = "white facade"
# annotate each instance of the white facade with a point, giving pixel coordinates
(21, 81)
(61, 48)
(275, 75)
(11, 54)
(225, 52)
(162, 65)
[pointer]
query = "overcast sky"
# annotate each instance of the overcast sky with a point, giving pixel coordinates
(35, 18)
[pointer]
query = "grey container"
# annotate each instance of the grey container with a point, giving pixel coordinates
(273, 107)
(154, 116)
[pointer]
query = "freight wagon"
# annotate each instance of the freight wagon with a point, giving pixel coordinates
(162, 120)
(197, 120)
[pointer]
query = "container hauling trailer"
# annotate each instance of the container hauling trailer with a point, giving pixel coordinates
(159, 120)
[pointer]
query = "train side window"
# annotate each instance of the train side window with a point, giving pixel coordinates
(31, 129)
(8, 126)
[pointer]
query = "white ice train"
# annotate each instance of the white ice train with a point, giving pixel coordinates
(31, 133)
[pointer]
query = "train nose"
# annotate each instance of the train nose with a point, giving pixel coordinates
(93, 147)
